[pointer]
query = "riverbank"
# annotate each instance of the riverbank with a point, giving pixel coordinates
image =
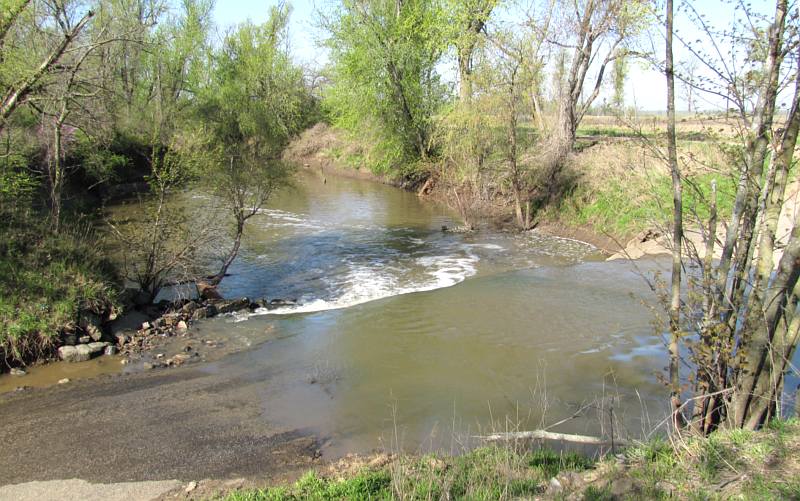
(728, 464)
(618, 198)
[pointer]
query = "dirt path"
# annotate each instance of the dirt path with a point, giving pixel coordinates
(181, 424)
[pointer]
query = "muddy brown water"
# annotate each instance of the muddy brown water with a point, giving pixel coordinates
(409, 337)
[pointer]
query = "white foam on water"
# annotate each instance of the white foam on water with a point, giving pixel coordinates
(363, 283)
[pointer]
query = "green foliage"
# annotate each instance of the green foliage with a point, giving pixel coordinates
(256, 99)
(45, 280)
(383, 74)
(487, 473)
(625, 206)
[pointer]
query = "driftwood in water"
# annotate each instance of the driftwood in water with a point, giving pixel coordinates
(549, 435)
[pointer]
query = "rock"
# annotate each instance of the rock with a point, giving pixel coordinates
(277, 303)
(97, 347)
(85, 339)
(555, 485)
(79, 353)
(148, 366)
(64, 381)
(190, 487)
(145, 326)
(200, 314)
(17, 372)
(208, 291)
(190, 307)
(170, 319)
(91, 324)
(182, 326)
(232, 306)
(159, 355)
(122, 339)
(283, 302)
(110, 351)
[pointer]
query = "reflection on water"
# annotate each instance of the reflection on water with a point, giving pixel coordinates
(407, 333)
(50, 374)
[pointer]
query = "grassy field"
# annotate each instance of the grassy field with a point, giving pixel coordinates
(624, 186)
(732, 464)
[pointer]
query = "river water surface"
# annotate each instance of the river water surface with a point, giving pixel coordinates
(408, 336)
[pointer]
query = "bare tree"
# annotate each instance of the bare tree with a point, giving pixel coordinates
(677, 225)
(743, 307)
(18, 92)
(600, 28)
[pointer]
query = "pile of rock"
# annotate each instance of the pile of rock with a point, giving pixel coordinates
(87, 338)
(176, 319)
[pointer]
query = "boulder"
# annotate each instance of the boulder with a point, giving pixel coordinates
(97, 347)
(80, 353)
(208, 291)
(232, 306)
(200, 314)
(91, 325)
(85, 339)
(190, 307)
(17, 372)
(182, 326)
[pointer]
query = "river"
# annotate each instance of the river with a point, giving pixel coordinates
(409, 337)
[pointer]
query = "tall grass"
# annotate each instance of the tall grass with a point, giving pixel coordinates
(487, 473)
(46, 279)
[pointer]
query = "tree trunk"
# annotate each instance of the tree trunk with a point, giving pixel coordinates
(677, 228)
(17, 94)
(237, 241)
(464, 75)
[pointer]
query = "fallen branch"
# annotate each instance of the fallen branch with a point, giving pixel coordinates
(549, 435)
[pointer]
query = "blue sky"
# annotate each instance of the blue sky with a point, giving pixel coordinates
(645, 87)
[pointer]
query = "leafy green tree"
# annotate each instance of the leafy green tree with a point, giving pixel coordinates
(384, 55)
(254, 102)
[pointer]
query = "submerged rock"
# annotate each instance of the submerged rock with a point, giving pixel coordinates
(232, 306)
(277, 303)
(17, 372)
